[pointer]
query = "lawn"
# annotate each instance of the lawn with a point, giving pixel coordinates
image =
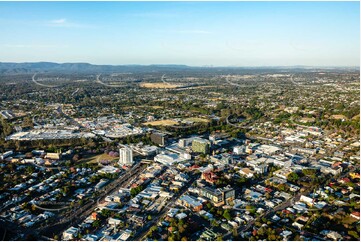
(197, 120)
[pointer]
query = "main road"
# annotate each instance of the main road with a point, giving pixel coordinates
(141, 234)
(78, 214)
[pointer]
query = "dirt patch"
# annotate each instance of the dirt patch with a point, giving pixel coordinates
(338, 116)
(166, 122)
(159, 85)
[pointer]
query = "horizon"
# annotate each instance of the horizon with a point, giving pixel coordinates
(219, 34)
(186, 65)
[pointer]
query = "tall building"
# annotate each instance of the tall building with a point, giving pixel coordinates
(159, 138)
(126, 156)
(201, 146)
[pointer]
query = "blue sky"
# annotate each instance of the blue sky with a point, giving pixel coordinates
(192, 33)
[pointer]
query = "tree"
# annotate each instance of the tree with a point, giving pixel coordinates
(251, 209)
(293, 177)
(96, 224)
(227, 214)
(354, 234)
(214, 223)
(153, 228)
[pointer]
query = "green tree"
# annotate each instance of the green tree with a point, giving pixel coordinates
(227, 214)
(293, 177)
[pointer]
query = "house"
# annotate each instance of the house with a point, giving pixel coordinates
(286, 234)
(6, 154)
(283, 173)
(307, 200)
(297, 225)
(124, 235)
(53, 156)
(246, 172)
(209, 235)
(71, 233)
(91, 237)
(172, 212)
(181, 216)
(209, 177)
(331, 234)
(190, 202)
(114, 221)
(355, 215)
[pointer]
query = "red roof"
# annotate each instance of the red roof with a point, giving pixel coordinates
(345, 179)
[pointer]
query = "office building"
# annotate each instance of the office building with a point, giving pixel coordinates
(126, 156)
(201, 146)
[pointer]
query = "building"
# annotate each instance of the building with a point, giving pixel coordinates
(309, 201)
(219, 196)
(268, 149)
(201, 146)
(146, 150)
(159, 138)
(239, 150)
(71, 233)
(6, 154)
(283, 173)
(171, 158)
(246, 172)
(126, 156)
(304, 150)
(101, 184)
(209, 235)
(53, 156)
(209, 177)
(190, 202)
(185, 142)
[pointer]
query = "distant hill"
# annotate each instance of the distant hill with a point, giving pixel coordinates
(31, 67)
(51, 67)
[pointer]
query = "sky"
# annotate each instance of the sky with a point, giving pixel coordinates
(190, 33)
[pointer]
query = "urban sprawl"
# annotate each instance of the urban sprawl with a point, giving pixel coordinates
(181, 154)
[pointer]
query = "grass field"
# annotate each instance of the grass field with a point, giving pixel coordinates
(166, 122)
(197, 120)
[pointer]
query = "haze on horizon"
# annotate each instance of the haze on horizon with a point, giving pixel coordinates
(190, 33)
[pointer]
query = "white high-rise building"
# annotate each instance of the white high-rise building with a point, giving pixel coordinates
(126, 156)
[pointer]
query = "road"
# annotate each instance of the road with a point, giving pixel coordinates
(73, 122)
(283, 206)
(77, 215)
(141, 234)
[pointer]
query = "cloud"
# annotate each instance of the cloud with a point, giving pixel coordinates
(58, 21)
(63, 22)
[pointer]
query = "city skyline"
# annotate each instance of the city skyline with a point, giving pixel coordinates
(189, 33)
